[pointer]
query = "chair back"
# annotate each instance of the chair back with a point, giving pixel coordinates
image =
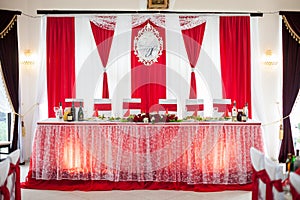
(295, 185)
(258, 163)
(257, 159)
(103, 107)
(4, 169)
(131, 106)
(274, 185)
(167, 105)
(13, 180)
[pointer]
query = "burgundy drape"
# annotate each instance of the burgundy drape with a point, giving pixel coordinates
(9, 58)
(236, 59)
(291, 79)
(193, 38)
(60, 61)
(103, 38)
(148, 82)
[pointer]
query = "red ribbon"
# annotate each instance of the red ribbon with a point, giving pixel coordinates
(4, 191)
(263, 175)
(16, 169)
(295, 194)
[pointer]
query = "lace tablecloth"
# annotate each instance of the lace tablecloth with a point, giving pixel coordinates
(193, 153)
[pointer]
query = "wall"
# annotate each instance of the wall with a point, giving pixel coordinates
(269, 34)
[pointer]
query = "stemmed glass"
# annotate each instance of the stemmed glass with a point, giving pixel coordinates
(56, 110)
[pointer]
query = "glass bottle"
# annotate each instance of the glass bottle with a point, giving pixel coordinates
(60, 111)
(73, 112)
(239, 115)
(80, 113)
(234, 112)
(288, 163)
(297, 161)
(70, 116)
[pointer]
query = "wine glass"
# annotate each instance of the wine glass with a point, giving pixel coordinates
(56, 110)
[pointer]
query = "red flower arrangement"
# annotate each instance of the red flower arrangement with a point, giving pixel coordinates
(153, 118)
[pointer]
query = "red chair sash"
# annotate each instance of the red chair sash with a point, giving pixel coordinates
(5, 192)
(295, 194)
(256, 175)
(263, 175)
(16, 168)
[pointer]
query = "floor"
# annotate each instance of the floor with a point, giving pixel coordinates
(128, 195)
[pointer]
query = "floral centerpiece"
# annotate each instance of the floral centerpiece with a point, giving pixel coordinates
(153, 118)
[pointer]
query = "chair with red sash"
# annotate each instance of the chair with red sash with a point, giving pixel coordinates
(4, 169)
(13, 180)
(295, 185)
(258, 164)
(274, 179)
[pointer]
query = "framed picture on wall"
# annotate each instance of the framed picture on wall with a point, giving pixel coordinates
(158, 4)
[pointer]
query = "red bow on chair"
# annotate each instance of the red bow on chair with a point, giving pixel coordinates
(16, 168)
(5, 192)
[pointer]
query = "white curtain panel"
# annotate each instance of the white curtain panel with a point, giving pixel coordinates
(40, 111)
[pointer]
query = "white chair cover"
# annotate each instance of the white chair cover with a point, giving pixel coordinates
(275, 172)
(106, 113)
(168, 102)
(258, 163)
(295, 181)
(131, 111)
(12, 179)
(4, 169)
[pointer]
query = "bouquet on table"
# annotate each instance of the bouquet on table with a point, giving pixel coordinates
(153, 118)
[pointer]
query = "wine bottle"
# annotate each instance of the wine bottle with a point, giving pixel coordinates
(288, 163)
(297, 161)
(234, 112)
(70, 116)
(73, 112)
(60, 111)
(80, 113)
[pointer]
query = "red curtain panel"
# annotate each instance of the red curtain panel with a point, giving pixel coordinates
(60, 61)
(235, 55)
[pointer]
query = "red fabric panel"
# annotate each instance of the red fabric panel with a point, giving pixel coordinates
(69, 185)
(102, 106)
(103, 39)
(148, 82)
(105, 91)
(193, 87)
(60, 61)
(235, 54)
(131, 105)
(193, 40)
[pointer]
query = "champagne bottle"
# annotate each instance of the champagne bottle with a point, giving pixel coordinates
(73, 112)
(60, 111)
(297, 161)
(80, 113)
(234, 112)
(70, 116)
(288, 163)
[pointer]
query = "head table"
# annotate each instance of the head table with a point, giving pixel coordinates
(192, 153)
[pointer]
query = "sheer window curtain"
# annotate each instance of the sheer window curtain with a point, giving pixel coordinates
(41, 110)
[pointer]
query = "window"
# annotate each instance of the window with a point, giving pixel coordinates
(295, 122)
(3, 126)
